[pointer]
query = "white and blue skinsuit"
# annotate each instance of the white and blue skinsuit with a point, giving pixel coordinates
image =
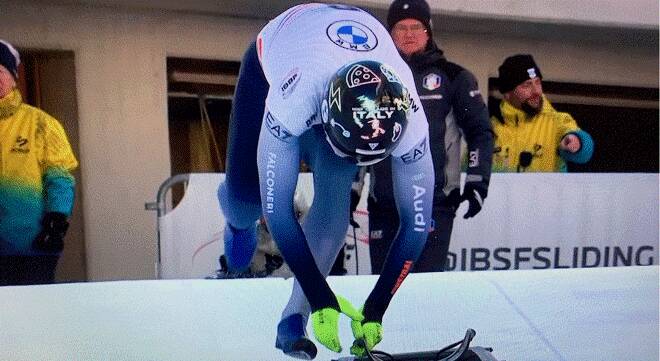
(276, 123)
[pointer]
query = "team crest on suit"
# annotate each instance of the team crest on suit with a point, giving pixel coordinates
(431, 81)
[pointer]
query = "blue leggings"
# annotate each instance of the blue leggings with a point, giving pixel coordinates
(239, 194)
(241, 186)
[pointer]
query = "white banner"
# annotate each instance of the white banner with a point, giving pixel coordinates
(560, 220)
(529, 221)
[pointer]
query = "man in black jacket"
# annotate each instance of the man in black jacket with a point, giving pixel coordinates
(454, 107)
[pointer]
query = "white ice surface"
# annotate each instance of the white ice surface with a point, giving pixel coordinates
(539, 315)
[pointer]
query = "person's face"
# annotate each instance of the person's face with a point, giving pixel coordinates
(527, 96)
(7, 82)
(410, 36)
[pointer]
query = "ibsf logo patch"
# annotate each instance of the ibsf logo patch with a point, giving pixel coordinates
(352, 35)
(431, 81)
(290, 82)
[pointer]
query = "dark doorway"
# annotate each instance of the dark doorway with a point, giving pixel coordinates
(200, 94)
(199, 98)
(47, 80)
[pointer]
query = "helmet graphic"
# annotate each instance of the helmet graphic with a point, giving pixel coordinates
(365, 111)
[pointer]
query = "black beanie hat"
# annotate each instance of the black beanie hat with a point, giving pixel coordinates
(409, 9)
(9, 58)
(517, 69)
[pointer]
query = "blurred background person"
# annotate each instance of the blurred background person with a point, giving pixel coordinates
(454, 108)
(36, 184)
(530, 135)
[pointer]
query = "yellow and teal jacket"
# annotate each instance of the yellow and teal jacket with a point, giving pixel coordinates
(538, 136)
(36, 161)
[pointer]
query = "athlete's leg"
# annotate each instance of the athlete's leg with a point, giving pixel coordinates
(239, 193)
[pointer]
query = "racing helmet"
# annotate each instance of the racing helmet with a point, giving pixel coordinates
(365, 111)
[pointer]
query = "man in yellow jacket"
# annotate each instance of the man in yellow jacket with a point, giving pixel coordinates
(530, 135)
(36, 184)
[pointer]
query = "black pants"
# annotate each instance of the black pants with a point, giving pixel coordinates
(383, 225)
(27, 270)
(434, 255)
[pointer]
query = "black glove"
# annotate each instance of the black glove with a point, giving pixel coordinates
(475, 193)
(51, 237)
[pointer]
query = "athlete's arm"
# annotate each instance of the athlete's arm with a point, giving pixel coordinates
(278, 157)
(413, 179)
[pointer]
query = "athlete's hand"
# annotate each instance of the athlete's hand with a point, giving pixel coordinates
(366, 335)
(326, 323)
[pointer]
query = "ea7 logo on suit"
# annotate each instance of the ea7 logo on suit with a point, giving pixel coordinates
(277, 129)
(416, 153)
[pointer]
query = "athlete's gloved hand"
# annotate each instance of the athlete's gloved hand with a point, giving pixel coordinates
(325, 323)
(367, 334)
(51, 237)
(475, 193)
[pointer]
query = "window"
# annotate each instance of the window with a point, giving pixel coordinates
(199, 94)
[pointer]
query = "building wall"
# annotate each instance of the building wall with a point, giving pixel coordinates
(121, 92)
(570, 61)
(631, 13)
